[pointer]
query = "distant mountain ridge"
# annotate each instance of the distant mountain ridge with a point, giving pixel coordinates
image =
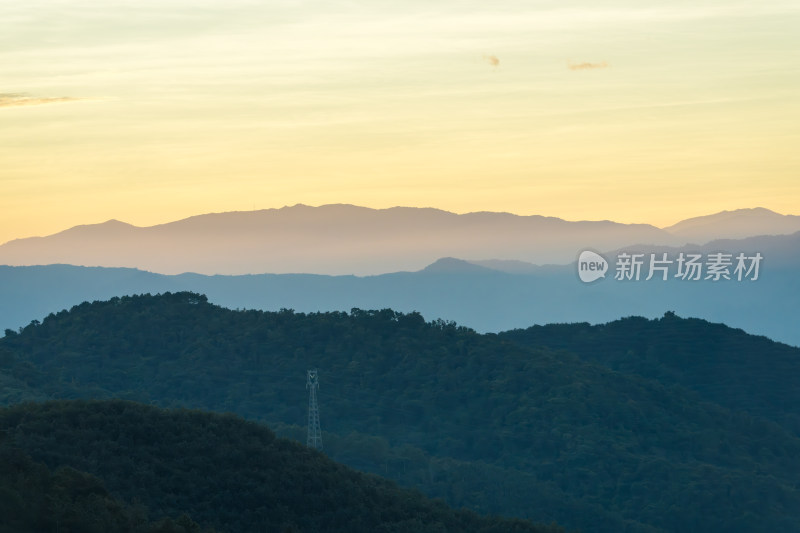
(485, 295)
(737, 224)
(342, 239)
(330, 239)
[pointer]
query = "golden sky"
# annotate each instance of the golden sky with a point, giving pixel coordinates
(149, 111)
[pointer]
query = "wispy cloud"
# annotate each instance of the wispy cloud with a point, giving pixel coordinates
(586, 65)
(19, 100)
(492, 60)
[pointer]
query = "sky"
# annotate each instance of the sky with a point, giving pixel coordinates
(149, 111)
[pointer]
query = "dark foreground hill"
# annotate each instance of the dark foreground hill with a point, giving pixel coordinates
(220, 469)
(34, 499)
(482, 421)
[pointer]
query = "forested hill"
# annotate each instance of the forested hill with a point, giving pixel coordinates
(225, 472)
(724, 365)
(480, 420)
(34, 499)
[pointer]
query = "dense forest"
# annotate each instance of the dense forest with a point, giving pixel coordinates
(34, 499)
(723, 365)
(497, 423)
(225, 472)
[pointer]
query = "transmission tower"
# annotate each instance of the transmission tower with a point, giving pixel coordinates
(314, 439)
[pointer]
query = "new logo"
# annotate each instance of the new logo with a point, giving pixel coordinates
(591, 266)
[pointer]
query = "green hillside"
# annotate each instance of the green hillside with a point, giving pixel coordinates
(222, 470)
(34, 499)
(480, 420)
(723, 365)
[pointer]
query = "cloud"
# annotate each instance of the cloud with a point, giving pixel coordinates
(492, 60)
(19, 100)
(586, 65)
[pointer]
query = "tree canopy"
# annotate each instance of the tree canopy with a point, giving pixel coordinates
(555, 427)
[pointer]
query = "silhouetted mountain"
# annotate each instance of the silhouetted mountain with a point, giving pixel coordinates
(510, 428)
(737, 224)
(346, 239)
(780, 252)
(331, 239)
(222, 470)
(512, 266)
(451, 265)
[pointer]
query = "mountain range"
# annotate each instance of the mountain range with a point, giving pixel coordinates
(737, 224)
(345, 239)
(484, 295)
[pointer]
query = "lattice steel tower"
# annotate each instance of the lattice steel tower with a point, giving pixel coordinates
(314, 438)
